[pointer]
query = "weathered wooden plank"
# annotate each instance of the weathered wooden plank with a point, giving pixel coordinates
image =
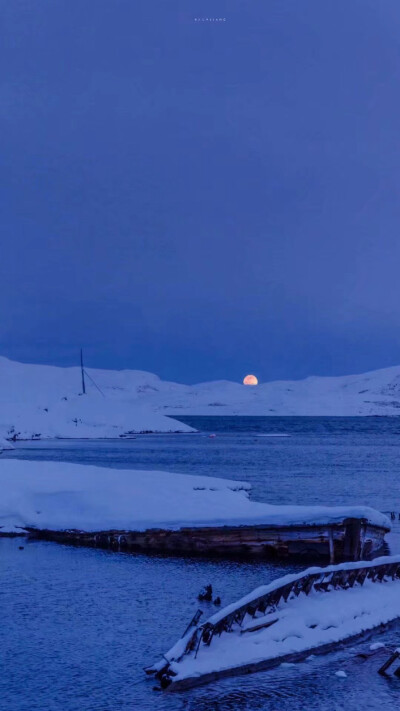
(261, 626)
(389, 662)
(282, 542)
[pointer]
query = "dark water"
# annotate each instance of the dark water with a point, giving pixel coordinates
(77, 626)
(296, 425)
(327, 460)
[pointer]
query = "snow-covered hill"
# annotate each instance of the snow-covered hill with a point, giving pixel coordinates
(40, 401)
(373, 393)
(45, 401)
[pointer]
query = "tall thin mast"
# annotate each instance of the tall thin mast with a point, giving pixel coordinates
(83, 374)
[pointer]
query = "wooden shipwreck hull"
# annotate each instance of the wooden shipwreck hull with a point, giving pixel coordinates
(349, 540)
(285, 619)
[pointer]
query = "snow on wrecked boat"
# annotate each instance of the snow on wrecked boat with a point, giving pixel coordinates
(183, 514)
(284, 622)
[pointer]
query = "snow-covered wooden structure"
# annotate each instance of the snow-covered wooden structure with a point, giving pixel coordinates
(350, 539)
(178, 514)
(284, 622)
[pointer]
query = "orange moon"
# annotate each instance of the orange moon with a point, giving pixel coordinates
(250, 380)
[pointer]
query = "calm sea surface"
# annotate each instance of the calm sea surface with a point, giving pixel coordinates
(78, 625)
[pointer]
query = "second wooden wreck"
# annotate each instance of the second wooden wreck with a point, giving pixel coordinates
(178, 514)
(284, 621)
(351, 539)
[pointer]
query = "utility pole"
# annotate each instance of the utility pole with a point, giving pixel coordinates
(83, 375)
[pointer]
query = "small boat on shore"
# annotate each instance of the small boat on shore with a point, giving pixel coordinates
(285, 621)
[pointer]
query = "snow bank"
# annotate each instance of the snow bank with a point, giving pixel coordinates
(4, 445)
(59, 495)
(87, 417)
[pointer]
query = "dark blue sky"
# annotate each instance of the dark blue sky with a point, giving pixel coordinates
(201, 199)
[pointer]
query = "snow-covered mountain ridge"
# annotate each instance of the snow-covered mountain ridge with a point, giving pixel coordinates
(46, 401)
(374, 393)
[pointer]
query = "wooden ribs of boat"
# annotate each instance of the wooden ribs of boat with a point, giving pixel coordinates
(323, 581)
(348, 540)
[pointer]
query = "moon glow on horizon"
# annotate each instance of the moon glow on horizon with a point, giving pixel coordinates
(250, 380)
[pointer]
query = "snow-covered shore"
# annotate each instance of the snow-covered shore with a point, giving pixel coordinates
(60, 496)
(5, 445)
(40, 401)
(44, 402)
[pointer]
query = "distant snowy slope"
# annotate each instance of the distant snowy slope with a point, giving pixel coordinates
(373, 393)
(38, 402)
(45, 401)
